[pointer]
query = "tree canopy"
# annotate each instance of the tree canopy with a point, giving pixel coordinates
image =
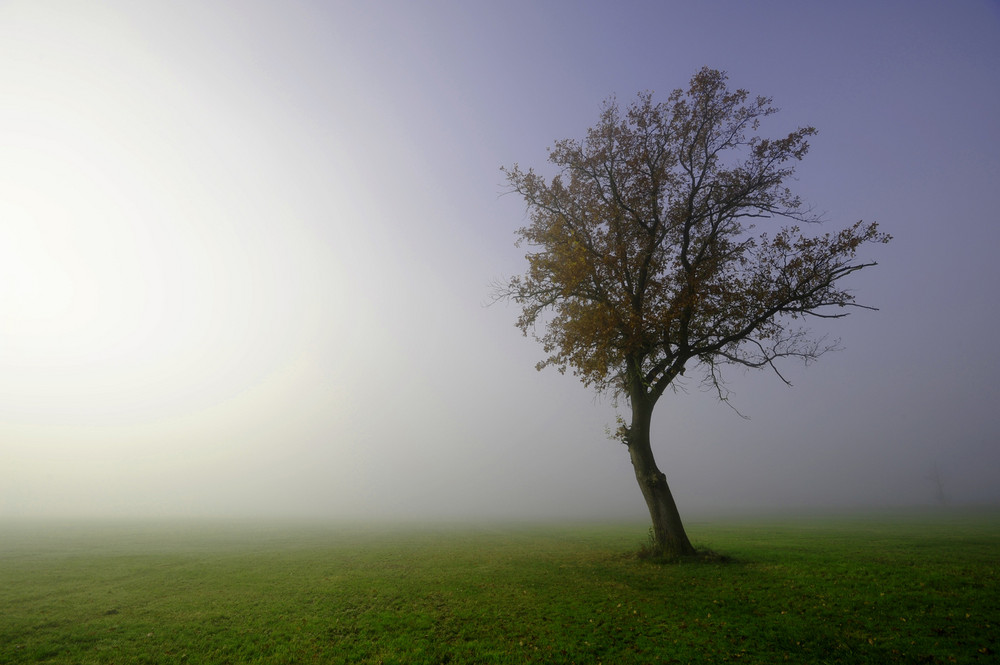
(650, 251)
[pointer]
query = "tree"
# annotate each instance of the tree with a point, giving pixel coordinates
(646, 258)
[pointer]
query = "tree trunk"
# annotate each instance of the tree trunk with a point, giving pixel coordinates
(669, 538)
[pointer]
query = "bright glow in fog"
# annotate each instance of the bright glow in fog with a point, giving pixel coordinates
(160, 288)
(140, 278)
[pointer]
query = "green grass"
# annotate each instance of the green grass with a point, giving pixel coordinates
(863, 591)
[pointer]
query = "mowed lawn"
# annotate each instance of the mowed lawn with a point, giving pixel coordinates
(889, 590)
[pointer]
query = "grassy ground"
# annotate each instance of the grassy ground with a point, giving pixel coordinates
(862, 591)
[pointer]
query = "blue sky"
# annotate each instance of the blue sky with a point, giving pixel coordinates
(245, 250)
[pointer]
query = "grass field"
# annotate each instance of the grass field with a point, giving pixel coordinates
(900, 590)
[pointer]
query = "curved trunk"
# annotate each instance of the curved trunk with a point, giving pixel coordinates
(669, 536)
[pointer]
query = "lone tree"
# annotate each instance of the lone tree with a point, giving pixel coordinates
(648, 257)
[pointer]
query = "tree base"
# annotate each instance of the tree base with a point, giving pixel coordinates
(655, 555)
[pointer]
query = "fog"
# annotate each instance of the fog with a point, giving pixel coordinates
(246, 250)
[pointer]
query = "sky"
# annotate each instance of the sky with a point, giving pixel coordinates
(247, 248)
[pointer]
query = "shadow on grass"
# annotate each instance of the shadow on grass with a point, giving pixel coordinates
(700, 556)
(649, 552)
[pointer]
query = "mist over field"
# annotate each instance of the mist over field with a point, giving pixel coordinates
(246, 251)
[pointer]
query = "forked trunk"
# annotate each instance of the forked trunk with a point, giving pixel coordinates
(669, 537)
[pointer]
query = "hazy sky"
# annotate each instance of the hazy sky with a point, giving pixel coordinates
(245, 249)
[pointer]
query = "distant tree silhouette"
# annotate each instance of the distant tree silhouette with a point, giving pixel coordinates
(938, 480)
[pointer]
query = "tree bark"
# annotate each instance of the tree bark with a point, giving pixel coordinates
(669, 537)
